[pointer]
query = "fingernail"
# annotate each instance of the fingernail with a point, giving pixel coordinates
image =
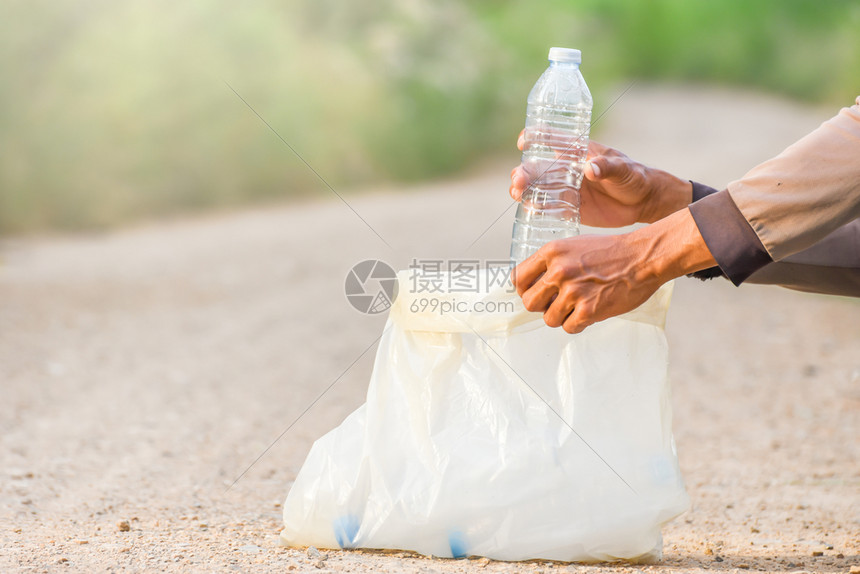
(595, 168)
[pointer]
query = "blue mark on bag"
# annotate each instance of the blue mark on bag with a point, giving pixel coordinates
(457, 542)
(346, 530)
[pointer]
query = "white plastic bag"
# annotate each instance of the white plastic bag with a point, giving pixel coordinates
(487, 433)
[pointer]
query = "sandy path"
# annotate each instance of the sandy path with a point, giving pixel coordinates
(141, 373)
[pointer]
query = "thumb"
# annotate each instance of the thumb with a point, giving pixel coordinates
(603, 167)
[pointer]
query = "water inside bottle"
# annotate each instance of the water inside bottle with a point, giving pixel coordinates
(549, 209)
(558, 118)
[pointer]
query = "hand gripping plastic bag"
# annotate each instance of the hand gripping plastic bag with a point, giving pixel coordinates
(485, 432)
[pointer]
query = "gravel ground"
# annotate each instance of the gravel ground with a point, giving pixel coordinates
(144, 371)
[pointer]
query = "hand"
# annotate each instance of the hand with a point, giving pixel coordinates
(578, 281)
(617, 191)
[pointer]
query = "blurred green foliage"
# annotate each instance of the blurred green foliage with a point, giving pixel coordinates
(113, 111)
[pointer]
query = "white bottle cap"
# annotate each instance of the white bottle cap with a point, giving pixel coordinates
(569, 55)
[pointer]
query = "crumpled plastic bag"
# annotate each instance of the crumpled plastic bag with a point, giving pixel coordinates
(487, 433)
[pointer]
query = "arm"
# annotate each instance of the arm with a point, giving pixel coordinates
(831, 266)
(582, 280)
(786, 204)
(579, 281)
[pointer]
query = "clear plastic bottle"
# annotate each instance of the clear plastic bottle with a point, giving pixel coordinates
(558, 118)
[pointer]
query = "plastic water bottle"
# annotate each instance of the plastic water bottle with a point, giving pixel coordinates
(558, 118)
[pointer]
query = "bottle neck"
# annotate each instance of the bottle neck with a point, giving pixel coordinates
(558, 64)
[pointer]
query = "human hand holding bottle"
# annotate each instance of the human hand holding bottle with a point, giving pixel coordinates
(616, 190)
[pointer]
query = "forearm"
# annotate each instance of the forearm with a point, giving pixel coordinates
(670, 248)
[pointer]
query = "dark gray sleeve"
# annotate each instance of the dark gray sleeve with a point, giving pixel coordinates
(701, 190)
(733, 243)
(831, 266)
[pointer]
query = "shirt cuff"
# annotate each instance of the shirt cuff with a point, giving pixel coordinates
(700, 190)
(728, 235)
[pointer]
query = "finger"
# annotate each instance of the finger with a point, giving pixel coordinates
(526, 273)
(559, 309)
(578, 320)
(604, 167)
(519, 181)
(539, 296)
(521, 140)
(592, 171)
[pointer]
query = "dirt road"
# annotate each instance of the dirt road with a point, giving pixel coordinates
(142, 372)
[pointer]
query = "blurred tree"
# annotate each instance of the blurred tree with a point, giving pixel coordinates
(114, 111)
